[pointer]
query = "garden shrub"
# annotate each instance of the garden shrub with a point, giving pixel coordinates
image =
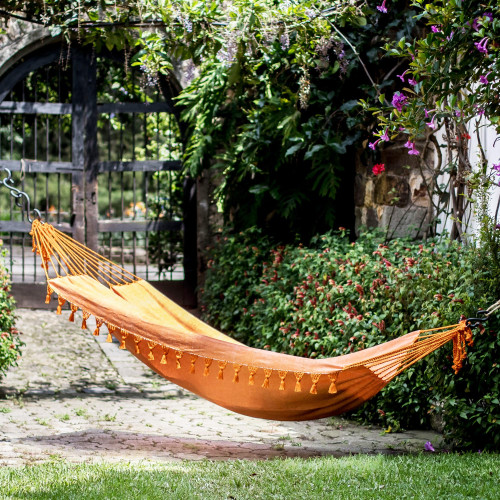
(10, 343)
(335, 297)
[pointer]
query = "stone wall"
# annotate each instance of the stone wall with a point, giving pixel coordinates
(21, 38)
(397, 199)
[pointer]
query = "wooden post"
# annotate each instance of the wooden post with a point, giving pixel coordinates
(85, 152)
(190, 243)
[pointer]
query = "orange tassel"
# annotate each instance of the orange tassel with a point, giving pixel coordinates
(208, 362)
(222, 365)
(164, 357)
(237, 369)
(298, 377)
(86, 316)
(49, 293)
(193, 361)
(333, 378)
(124, 336)
(253, 371)
(98, 323)
(151, 356)
(60, 303)
(109, 338)
(315, 379)
(282, 375)
(267, 375)
(73, 311)
(137, 340)
(178, 357)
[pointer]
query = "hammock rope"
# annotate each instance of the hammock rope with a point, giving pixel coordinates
(183, 349)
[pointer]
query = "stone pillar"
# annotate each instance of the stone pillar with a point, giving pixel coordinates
(396, 200)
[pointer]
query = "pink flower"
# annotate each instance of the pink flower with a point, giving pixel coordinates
(481, 45)
(378, 168)
(373, 145)
(402, 77)
(399, 100)
(414, 151)
(432, 123)
(384, 136)
(382, 8)
(411, 81)
(428, 446)
(409, 144)
(496, 168)
(436, 29)
(484, 78)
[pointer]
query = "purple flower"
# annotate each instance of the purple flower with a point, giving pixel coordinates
(411, 81)
(450, 36)
(409, 144)
(428, 446)
(373, 145)
(497, 226)
(458, 113)
(432, 123)
(382, 8)
(478, 21)
(399, 100)
(484, 78)
(402, 77)
(414, 151)
(496, 168)
(436, 29)
(481, 45)
(480, 111)
(384, 136)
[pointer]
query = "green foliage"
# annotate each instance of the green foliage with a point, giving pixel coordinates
(336, 297)
(10, 343)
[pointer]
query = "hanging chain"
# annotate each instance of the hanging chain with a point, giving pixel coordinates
(22, 200)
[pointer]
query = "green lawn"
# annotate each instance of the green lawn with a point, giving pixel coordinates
(418, 476)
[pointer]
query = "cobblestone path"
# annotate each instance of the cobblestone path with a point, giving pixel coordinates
(73, 396)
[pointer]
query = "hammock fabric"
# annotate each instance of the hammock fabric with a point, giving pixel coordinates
(188, 352)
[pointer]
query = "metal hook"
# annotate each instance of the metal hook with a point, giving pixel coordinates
(474, 322)
(22, 200)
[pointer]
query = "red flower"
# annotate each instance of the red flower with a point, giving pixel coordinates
(378, 168)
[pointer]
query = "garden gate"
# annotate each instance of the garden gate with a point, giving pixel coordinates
(97, 147)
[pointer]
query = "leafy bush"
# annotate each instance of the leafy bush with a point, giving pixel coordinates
(10, 343)
(336, 297)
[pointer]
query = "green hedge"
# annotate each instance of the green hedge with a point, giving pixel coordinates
(335, 297)
(10, 343)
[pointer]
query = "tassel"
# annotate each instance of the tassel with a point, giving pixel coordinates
(253, 371)
(298, 377)
(86, 316)
(137, 340)
(109, 338)
(178, 356)
(333, 378)
(208, 362)
(315, 379)
(73, 311)
(151, 356)
(267, 375)
(49, 293)
(193, 361)
(282, 375)
(60, 303)
(164, 357)
(98, 323)
(222, 365)
(124, 335)
(237, 369)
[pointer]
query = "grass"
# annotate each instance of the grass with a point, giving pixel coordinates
(433, 476)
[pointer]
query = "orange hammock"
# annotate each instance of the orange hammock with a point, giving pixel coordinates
(188, 352)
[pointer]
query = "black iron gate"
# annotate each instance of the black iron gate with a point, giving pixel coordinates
(97, 146)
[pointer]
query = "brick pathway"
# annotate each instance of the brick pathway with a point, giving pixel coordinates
(76, 397)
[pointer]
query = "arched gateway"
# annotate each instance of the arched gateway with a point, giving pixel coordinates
(97, 146)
